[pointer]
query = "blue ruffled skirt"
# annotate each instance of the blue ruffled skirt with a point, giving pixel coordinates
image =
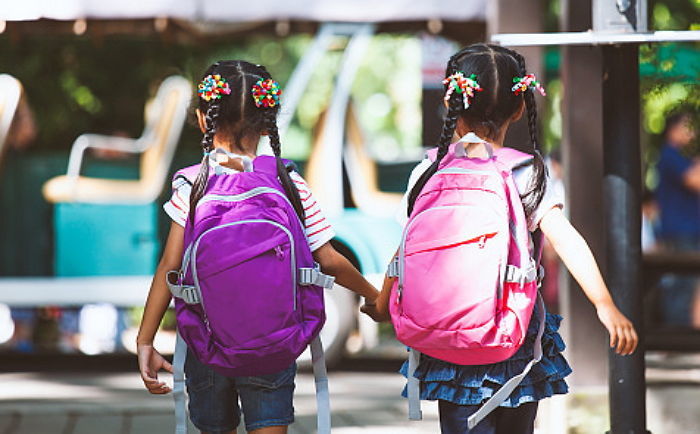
(472, 385)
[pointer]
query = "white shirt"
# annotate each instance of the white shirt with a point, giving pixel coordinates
(317, 227)
(553, 197)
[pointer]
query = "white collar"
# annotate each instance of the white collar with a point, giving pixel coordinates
(219, 169)
(470, 137)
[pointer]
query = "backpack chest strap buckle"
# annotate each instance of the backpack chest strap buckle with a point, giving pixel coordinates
(313, 276)
(393, 269)
(186, 293)
(520, 276)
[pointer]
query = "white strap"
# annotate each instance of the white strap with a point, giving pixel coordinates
(520, 276)
(219, 169)
(414, 412)
(471, 137)
(393, 269)
(323, 402)
(187, 293)
(313, 276)
(179, 385)
(505, 391)
(186, 259)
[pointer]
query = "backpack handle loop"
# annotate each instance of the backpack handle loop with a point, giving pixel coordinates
(460, 150)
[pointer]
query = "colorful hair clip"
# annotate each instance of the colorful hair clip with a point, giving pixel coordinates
(266, 93)
(212, 87)
(464, 85)
(528, 82)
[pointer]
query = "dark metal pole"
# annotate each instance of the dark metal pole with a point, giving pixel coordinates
(622, 190)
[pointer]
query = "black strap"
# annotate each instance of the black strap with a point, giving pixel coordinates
(538, 244)
(528, 162)
(181, 176)
(291, 166)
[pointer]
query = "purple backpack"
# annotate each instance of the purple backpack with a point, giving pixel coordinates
(249, 296)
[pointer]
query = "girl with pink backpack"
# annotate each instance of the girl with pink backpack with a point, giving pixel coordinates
(462, 289)
(246, 260)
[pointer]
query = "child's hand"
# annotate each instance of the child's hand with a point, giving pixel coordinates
(623, 337)
(150, 362)
(371, 310)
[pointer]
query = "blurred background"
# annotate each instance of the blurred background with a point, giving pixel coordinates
(94, 120)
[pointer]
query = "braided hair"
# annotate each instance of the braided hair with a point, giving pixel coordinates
(495, 67)
(237, 117)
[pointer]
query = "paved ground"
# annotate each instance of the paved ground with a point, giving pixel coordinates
(105, 403)
(362, 402)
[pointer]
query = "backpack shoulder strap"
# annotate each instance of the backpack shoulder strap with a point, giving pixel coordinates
(188, 174)
(431, 153)
(267, 164)
(513, 159)
(504, 392)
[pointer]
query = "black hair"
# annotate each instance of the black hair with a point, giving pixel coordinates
(494, 67)
(236, 117)
(675, 118)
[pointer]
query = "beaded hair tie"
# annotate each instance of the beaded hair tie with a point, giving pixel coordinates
(464, 85)
(212, 87)
(528, 82)
(266, 93)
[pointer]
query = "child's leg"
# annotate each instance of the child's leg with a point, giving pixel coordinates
(518, 420)
(271, 430)
(453, 419)
(213, 401)
(266, 401)
(695, 310)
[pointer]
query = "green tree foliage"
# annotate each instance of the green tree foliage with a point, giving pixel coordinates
(78, 84)
(670, 74)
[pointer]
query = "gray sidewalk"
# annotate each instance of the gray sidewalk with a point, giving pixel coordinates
(105, 403)
(362, 402)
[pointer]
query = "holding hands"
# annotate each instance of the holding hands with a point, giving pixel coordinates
(370, 308)
(378, 309)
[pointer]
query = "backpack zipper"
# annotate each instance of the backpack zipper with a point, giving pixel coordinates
(462, 171)
(193, 261)
(402, 246)
(229, 198)
(242, 196)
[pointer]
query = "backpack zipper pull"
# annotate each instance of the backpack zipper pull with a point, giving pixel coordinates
(482, 241)
(279, 253)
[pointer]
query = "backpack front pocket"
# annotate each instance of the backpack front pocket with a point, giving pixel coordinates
(246, 273)
(452, 267)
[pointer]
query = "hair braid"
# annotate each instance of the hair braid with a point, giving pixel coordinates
(538, 185)
(282, 172)
(448, 129)
(200, 184)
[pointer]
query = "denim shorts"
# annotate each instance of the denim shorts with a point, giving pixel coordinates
(265, 400)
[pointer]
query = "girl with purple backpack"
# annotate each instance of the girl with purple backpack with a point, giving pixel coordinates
(487, 88)
(237, 103)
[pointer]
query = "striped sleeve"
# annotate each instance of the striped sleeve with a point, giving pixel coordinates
(178, 206)
(318, 229)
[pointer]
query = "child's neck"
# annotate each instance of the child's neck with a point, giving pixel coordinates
(496, 140)
(248, 146)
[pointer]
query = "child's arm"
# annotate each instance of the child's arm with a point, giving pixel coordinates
(379, 310)
(335, 264)
(578, 258)
(150, 361)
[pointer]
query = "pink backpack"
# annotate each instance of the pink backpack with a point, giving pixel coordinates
(467, 283)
